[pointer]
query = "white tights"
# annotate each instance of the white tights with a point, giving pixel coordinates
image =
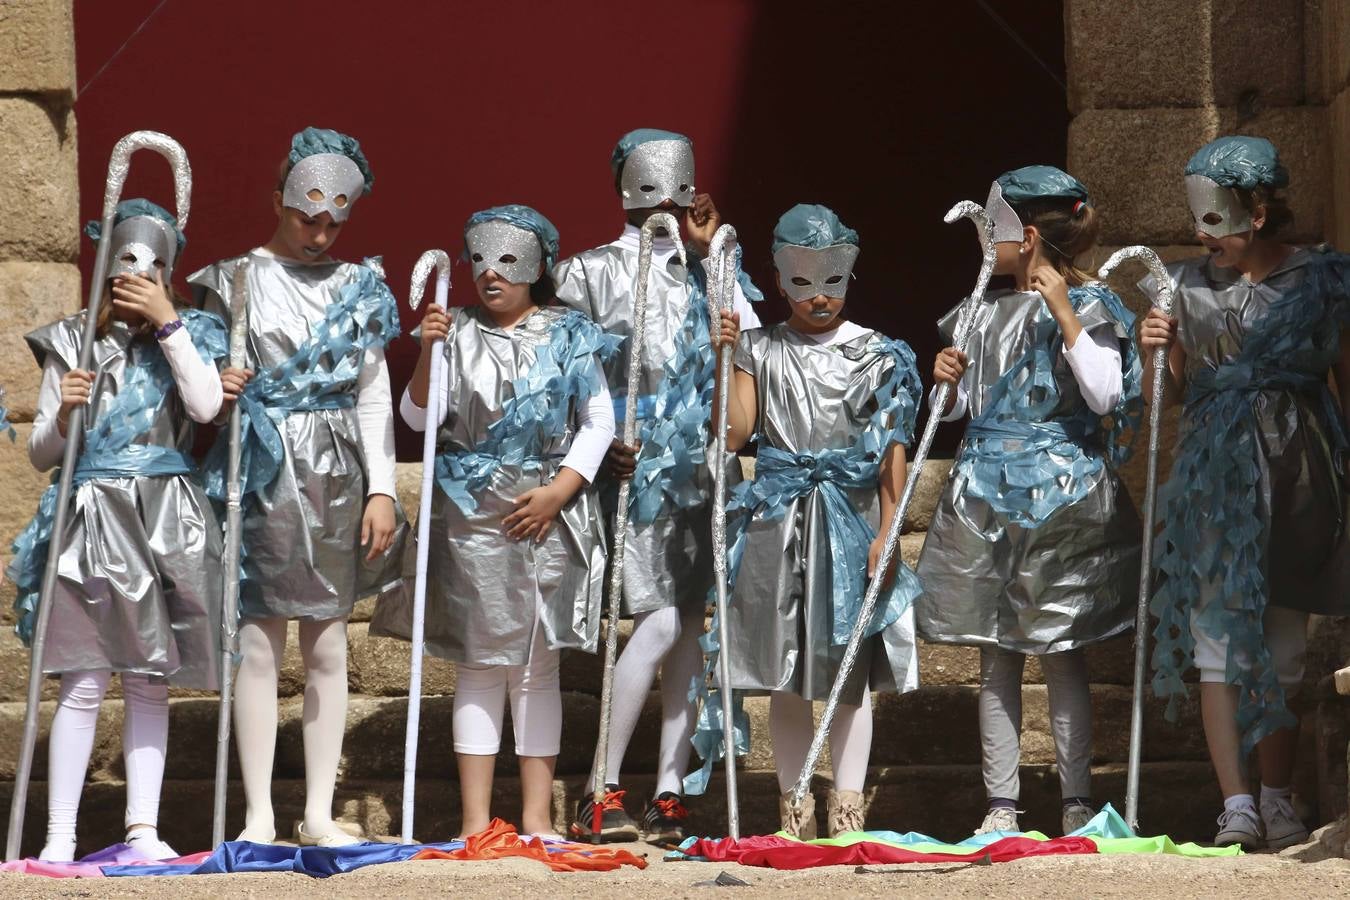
(536, 704)
(664, 640)
(791, 727)
(145, 735)
(323, 646)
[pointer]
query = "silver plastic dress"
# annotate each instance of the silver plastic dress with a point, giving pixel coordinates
(1071, 580)
(811, 397)
(667, 562)
(485, 592)
(302, 533)
(139, 586)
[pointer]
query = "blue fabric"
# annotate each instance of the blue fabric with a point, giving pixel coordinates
(636, 138)
(364, 314)
(1212, 532)
(811, 225)
(524, 217)
(1031, 183)
(138, 206)
(1237, 161)
(5, 425)
(537, 411)
(313, 141)
(317, 862)
(108, 452)
(780, 478)
(1058, 458)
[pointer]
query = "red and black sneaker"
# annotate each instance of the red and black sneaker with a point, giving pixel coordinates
(616, 826)
(663, 822)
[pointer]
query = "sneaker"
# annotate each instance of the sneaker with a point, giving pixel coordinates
(147, 843)
(1000, 818)
(798, 821)
(663, 822)
(616, 826)
(1240, 826)
(1283, 826)
(1075, 816)
(59, 849)
(844, 812)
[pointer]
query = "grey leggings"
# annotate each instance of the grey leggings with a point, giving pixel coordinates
(1066, 681)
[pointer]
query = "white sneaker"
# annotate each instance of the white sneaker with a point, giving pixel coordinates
(1240, 826)
(58, 849)
(1283, 826)
(1074, 817)
(146, 842)
(998, 819)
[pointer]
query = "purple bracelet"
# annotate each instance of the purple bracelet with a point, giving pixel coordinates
(167, 329)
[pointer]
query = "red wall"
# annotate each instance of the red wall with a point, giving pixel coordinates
(889, 112)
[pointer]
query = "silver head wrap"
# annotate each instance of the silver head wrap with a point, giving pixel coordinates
(490, 243)
(658, 171)
(337, 180)
(137, 243)
(826, 271)
(1007, 224)
(1208, 198)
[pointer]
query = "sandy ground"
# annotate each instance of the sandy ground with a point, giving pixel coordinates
(1301, 872)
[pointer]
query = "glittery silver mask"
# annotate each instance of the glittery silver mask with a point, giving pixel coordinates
(1007, 225)
(513, 253)
(324, 183)
(1220, 205)
(825, 271)
(658, 171)
(140, 241)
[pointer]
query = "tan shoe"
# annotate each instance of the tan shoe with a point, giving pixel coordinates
(798, 821)
(844, 812)
(342, 834)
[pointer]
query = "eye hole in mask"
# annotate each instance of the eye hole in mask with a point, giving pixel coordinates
(800, 281)
(834, 279)
(507, 258)
(1212, 219)
(648, 188)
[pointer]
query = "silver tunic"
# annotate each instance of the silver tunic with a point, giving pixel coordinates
(140, 576)
(667, 562)
(486, 593)
(1074, 578)
(811, 397)
(302, 533)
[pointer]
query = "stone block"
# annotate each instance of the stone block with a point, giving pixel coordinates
(39, 202)
(380, 666)
(31, 294)
(932, 482)
(37, 42)
(1338, 126)
(1335, 34)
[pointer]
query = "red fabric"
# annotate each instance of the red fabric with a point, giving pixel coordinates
(500, 840)
(781, 853)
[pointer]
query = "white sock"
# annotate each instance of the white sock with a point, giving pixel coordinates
(323, 646)
(261, 644)
(59, 848)
(1270, 795)
(1240, 802)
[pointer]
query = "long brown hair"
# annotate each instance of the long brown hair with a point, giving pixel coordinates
(1068, 229)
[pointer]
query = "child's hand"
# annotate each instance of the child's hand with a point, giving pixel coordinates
(701, 221)
(1157, 330)
(232, 382)
(75, 387)
(147, 299)
(949, 366)
(435, 327)
(378, 525)
(621, 459)
(534, 513)
(1050, 284)
(874, 556)
(730, 331)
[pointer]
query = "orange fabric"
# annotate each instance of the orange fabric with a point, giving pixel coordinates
(500, 840)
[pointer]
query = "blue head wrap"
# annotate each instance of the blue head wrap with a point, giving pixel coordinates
(313, 141)
(524, 217)
(1240, 162)
(1031, 183)
(129, 209)
(811, 225)
(635, 138)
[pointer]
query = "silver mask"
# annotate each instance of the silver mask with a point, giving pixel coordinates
(489, 243)
(336, 179)
(1007, 225)
(140, 241)
(1207, 198)
(825, 271)
(658, 171)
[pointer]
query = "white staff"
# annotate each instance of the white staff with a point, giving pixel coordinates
(229, 607)
(1164, 303)
(965, 322)
(438, 260)
(118, 165)
(666, 222)
(721, 296)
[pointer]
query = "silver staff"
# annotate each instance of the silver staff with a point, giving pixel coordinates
(1164, 303)
(656, 221)
(722, 297)
(229, 607)
(438, 260)
(965, 322)
(118, 165)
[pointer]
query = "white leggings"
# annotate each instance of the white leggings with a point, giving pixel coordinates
(664, 640)
(1286, 635)
(791, 727)
(536, 704)
(145, 734)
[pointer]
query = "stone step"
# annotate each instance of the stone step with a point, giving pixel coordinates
(946, 801)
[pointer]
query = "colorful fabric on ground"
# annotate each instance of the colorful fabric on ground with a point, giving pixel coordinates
(500, 840)
(119, 856)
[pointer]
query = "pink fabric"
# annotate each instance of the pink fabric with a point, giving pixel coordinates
(91, 866)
